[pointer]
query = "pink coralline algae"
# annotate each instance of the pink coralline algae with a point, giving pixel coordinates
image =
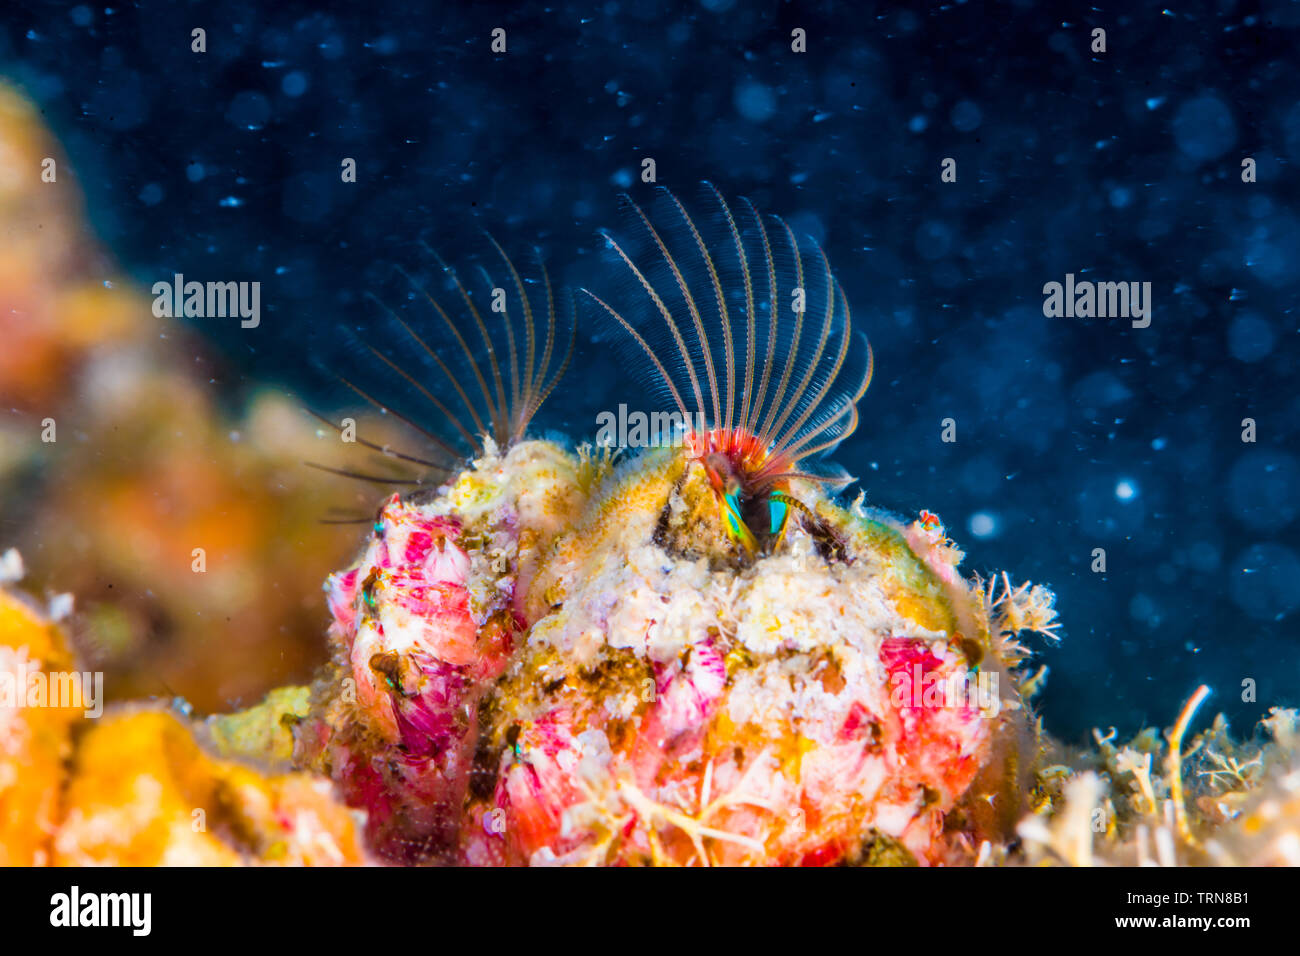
(417, 662)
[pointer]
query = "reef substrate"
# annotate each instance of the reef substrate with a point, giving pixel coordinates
(557, 658)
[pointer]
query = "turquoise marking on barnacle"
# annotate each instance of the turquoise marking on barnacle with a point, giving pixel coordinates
(780, 513)
(732, 511)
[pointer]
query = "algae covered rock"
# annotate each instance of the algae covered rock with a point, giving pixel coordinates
(35, 728)
(650, 693)
(680, 704)
(141, 785)
(143, 792)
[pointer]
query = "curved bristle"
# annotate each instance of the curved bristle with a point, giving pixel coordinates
(359, 476)
(454, 389)
(734, 312)
(382, 449)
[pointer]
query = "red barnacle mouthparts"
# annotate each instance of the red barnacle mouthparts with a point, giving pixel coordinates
(732, 459)
(746, 326)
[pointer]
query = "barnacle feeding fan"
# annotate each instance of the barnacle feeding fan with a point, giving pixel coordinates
(690, 654)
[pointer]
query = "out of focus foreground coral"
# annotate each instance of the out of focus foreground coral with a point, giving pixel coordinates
(140, 785)
(125, 455)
